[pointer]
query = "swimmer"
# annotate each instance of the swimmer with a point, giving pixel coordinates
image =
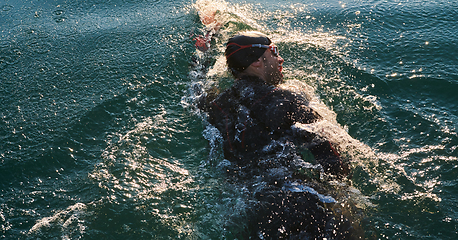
(255, 114)
(268, 155)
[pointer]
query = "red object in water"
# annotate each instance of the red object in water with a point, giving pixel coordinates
(202, 43)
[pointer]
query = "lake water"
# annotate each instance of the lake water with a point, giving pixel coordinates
(99, 138)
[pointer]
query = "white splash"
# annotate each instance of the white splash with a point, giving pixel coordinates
(70, 221)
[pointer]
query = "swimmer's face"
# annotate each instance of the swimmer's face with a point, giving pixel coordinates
(273, 67)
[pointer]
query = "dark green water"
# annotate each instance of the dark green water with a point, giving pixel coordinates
(99, 139)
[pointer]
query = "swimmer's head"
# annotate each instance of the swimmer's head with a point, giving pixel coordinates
(240, 52)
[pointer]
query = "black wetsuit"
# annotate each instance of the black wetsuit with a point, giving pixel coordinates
(255, 120)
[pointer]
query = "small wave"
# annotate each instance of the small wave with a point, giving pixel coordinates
(70, 222)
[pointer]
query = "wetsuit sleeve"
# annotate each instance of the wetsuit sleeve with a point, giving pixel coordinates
(219, 109)
(221, 114)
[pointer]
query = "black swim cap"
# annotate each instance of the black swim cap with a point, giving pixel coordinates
(239, 58)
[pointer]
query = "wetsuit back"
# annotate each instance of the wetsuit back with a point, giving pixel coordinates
(255, 120)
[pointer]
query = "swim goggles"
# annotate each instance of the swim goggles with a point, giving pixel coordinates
(273, 49)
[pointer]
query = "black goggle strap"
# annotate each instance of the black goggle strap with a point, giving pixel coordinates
(272, 48)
